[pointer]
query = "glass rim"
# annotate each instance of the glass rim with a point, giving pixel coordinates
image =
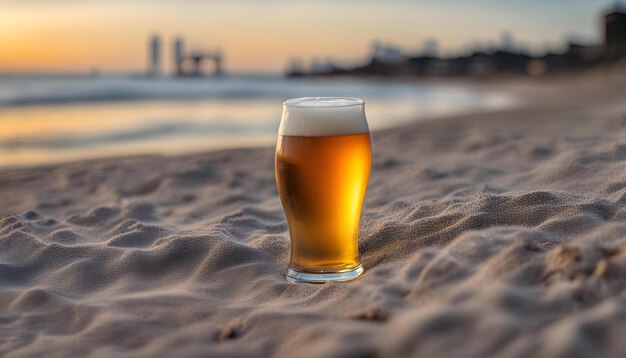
(297, 102)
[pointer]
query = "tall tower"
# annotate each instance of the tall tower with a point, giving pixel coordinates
(377, 50)
(430, 48)
(615, 34)
(178, 49)
(217, 58)
(155, 55)
(507, 42)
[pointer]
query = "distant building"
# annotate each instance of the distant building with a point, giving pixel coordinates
(155, 55)
(385, 53)
(191, 65)
(377, 50)
(217, 60)
(178, 49)
(296, 69)
(615, 34)
(186, 63)
(430, 48)
(495, 58)
(507, 43)
(321, 66)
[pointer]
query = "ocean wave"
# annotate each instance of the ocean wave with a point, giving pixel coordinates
(29, 91)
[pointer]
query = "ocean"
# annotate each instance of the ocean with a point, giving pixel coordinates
(52, 119)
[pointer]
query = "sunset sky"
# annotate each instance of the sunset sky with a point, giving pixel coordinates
(112, 35)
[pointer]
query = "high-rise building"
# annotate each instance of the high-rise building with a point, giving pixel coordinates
(155, 55)
(430, 48)
(179, 54)
(385, 53)
(507, 42)
(615, 33)
(218, 58)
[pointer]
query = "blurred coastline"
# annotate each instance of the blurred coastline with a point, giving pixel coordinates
(186, 99)
(52, 119)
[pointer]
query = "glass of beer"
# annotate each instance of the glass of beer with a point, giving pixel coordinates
(322, 165)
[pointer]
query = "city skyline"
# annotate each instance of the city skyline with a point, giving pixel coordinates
(43, 36)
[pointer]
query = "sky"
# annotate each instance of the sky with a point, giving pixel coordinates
(263, 35)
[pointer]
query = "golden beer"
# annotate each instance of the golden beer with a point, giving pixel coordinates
(322, 180)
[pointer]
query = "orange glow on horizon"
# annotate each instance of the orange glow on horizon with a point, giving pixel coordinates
(113, 35)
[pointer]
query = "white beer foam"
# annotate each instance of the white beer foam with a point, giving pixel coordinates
(323, 116)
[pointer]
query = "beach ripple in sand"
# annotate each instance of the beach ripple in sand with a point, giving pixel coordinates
(474, 244)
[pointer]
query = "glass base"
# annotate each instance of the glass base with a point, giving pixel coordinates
(294, 276)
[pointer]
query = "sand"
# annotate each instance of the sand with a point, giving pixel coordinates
(493, 234)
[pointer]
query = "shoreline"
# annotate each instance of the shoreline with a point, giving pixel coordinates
(40, 134)
(525, 92)
(521, 88)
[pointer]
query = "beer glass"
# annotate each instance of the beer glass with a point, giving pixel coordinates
(322, 165)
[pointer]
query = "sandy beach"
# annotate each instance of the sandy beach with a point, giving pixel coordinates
(489, 234)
